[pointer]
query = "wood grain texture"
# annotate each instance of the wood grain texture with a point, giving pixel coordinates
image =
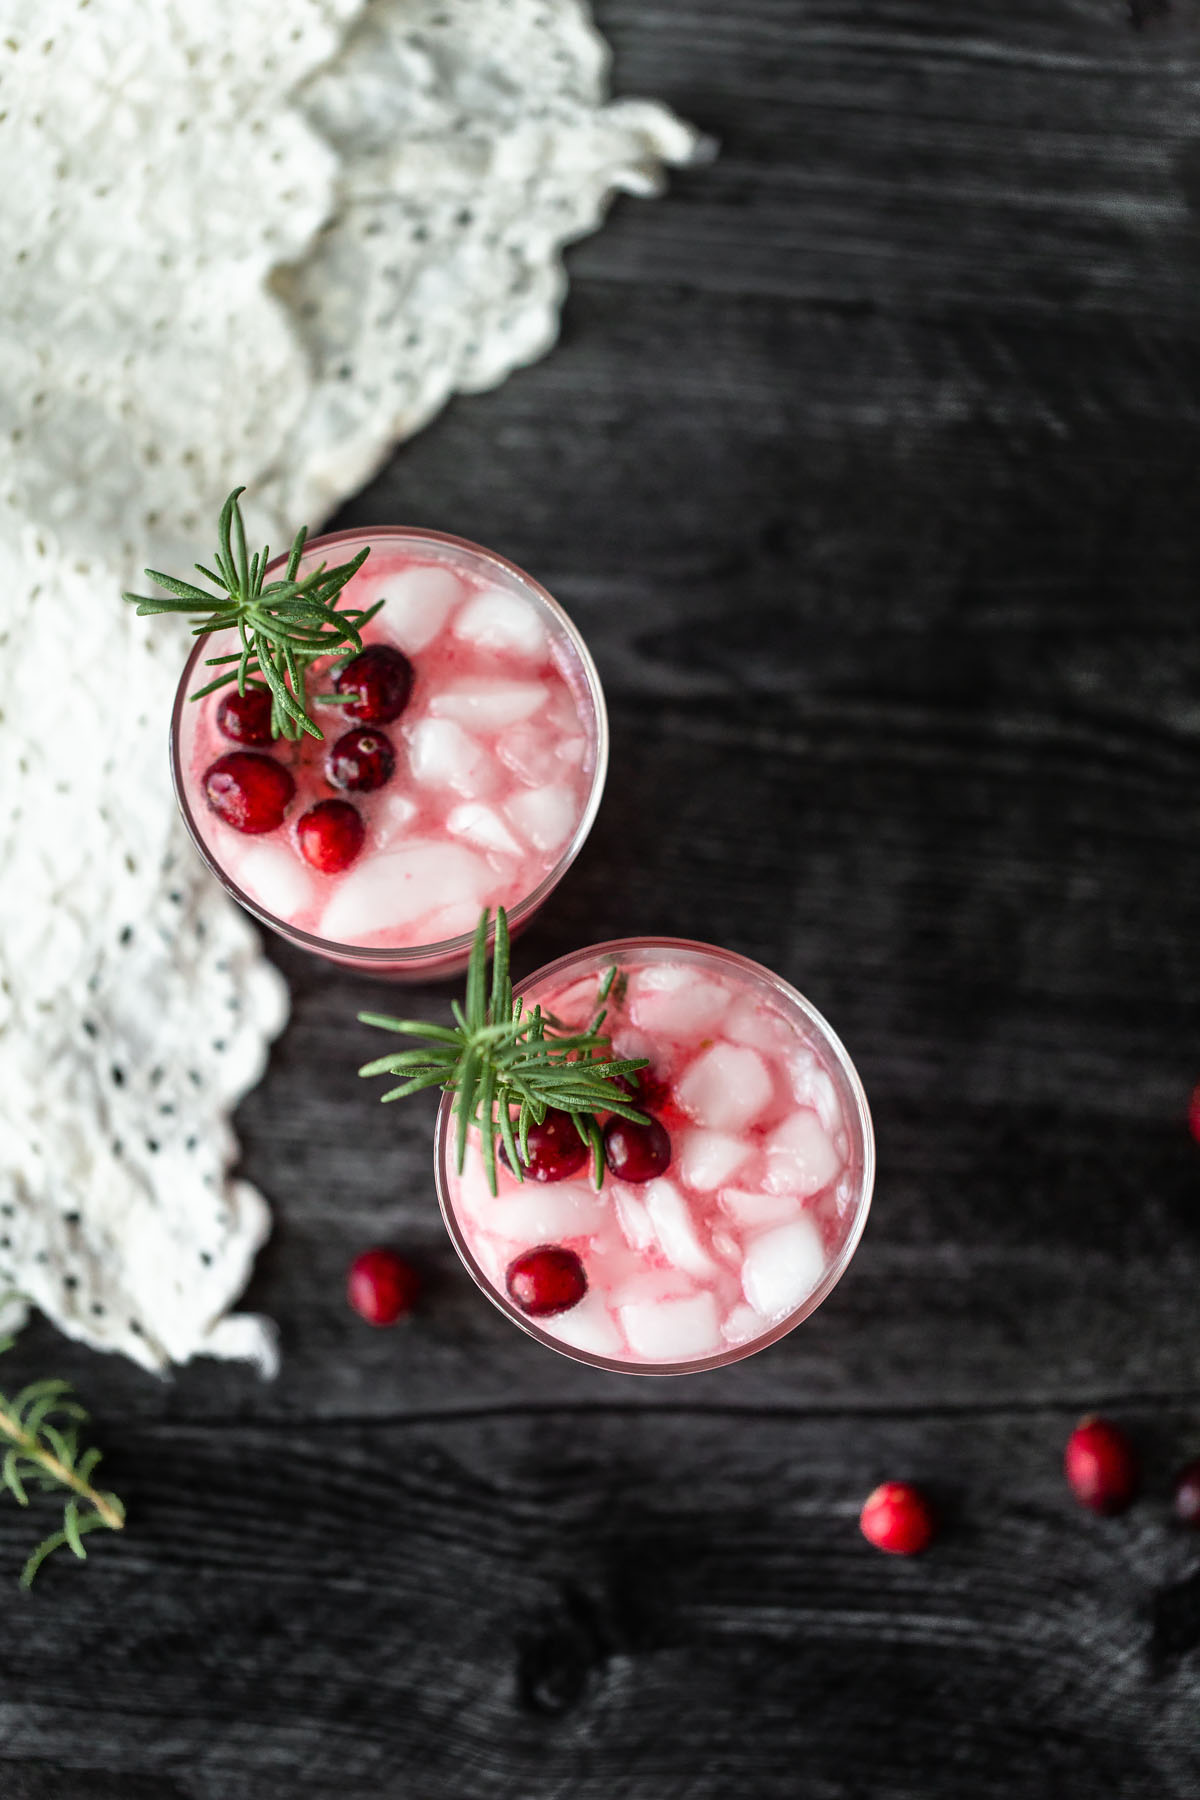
(867, 465)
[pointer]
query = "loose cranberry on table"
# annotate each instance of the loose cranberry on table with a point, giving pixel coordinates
(556, 1149)
(1101, 1466)
(547, 1280)
(361, 761)
(249, 791)
(1194, 1114)
(330, 835)
(636, 1152)
(1187, 1495)
(897, 1518)
(246, 718)
(382, 1287)
(382, 678)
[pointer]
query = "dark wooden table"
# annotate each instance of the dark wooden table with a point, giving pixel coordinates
(869, 466)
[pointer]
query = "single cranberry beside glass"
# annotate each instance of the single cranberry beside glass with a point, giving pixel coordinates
(381, 1286)
(897, 1518)
(249, 791)
(1101, 1466)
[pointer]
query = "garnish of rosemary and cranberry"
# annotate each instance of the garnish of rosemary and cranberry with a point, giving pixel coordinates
(500, 1060)
(284, 626)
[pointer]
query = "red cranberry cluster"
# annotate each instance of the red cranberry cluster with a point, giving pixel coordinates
(550, 1279)
(252, 792)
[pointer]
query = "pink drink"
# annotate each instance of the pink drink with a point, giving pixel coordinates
(765, 1195)
(500, 754)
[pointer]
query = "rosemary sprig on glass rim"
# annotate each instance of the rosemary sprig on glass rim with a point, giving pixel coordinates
(41, 1428)
(497, 1057)
(284, 625)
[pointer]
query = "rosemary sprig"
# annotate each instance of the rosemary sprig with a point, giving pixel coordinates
(283, 625)
(41, 1428)
(497, 1057)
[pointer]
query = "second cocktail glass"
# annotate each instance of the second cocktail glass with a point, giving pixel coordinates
(493, 769)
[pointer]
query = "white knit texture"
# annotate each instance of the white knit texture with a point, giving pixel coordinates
(244, 243)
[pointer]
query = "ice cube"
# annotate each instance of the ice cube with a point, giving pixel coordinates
(480, 825)
(400, 887)
(274, 875)
(755, 1209)
(629, 1044)
(675, 1229)
(727, 1247)
(546, 816)
(451, 922)
(750, 1022)
(633, 1218)
(709, 1158)
(572, 751)
(782, 1268)
(648, 1287)
(394, 814)
(801, 1157)
(418, 602)
(493, 1257)
(727, 1087)
(442, 754)
(676, 1001)
(673, 1330)
(576, 1005)
(529, 752)
(541, 1212)
(741, 1325)
(587, 1326)
(500, 621)
(811, 1086)
(488, 705)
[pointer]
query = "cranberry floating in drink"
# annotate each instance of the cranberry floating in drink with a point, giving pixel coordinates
(432, 717)
(729, 1177)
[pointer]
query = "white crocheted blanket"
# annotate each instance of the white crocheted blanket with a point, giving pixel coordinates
(244, 242)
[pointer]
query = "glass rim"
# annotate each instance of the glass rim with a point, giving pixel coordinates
(412, 956)
(828, 1041)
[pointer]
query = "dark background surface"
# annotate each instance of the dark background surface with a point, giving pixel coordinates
(868, 466)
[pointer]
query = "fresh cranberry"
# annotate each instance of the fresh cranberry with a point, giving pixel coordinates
(897, 1518)
(556, 1149)
(636, 1152)
(1187, 1494)
(1101, 1466)
(546, 1280)
(249, 791)
(643, 1088)
(331, 835)
(246, 718)
(1194, 1114)
(382, 1287)
(382, 678)
(361, 761)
